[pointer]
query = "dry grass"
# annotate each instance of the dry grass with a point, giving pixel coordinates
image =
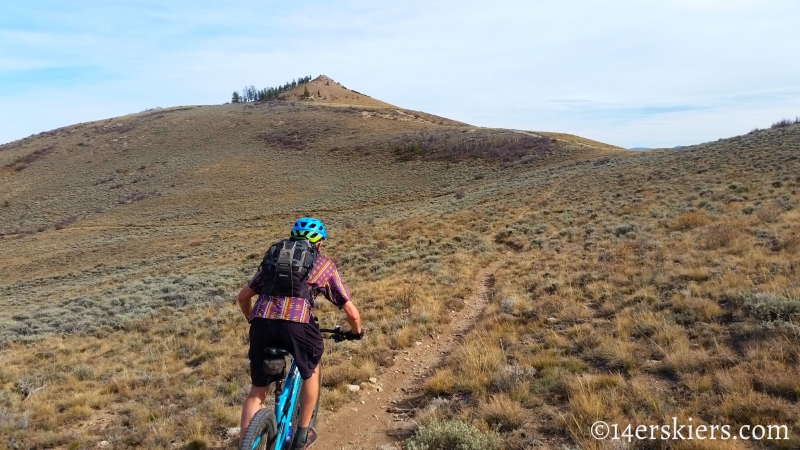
(669, 292)
(670, 301)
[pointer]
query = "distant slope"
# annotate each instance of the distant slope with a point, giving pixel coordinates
(579, 140)
(169, 164)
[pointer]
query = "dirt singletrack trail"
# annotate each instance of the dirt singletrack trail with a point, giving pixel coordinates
(384, 414)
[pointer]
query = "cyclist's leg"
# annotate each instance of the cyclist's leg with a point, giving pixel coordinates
(309, 393)
(307, 348)
(252, 404)
(259, 339)
(316, 405)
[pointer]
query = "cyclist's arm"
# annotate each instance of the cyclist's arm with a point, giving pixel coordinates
(329, 284)
(353, 317)
(245, 301)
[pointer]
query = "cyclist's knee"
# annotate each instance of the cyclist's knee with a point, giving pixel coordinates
(258, 392)
(314, 375)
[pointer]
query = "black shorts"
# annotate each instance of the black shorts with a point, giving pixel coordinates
(302, 340)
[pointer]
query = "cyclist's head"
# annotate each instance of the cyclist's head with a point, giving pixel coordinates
(310, 229)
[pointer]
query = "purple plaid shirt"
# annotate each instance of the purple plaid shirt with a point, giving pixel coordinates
(323, 278)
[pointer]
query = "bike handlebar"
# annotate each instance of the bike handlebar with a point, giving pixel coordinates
(338, 335)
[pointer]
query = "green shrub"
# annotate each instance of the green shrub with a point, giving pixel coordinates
(624, 229)
(771, 308)
(451, 435)
(83, 372)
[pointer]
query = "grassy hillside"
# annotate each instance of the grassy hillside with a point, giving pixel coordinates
(635, 285)
(643, 288)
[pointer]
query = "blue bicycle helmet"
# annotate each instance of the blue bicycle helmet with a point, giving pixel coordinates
(309, 228)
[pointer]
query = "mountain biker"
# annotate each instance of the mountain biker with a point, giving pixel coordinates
(286, 322)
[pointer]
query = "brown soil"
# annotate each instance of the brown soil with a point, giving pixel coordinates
(384, 415)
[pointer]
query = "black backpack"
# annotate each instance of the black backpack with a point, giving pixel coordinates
(286, 266)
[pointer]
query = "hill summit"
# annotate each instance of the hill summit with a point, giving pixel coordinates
(324, 89)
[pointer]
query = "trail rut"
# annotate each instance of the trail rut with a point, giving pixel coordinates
(386, 416)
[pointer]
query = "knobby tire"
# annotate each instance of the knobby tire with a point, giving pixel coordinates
(262, 424)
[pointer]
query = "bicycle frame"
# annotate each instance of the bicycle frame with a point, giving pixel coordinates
(284, 405)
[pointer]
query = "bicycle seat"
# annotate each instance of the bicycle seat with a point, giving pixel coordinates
(275, 352)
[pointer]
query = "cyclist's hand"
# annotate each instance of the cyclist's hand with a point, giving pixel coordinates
(350, 336)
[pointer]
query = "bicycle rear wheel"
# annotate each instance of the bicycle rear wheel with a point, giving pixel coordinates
(261, 433)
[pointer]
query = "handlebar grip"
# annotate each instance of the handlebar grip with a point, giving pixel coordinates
(338, 335)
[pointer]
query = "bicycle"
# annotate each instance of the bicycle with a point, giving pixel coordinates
(274, 429)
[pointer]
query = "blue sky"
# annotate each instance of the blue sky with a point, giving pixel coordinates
(627, 72)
